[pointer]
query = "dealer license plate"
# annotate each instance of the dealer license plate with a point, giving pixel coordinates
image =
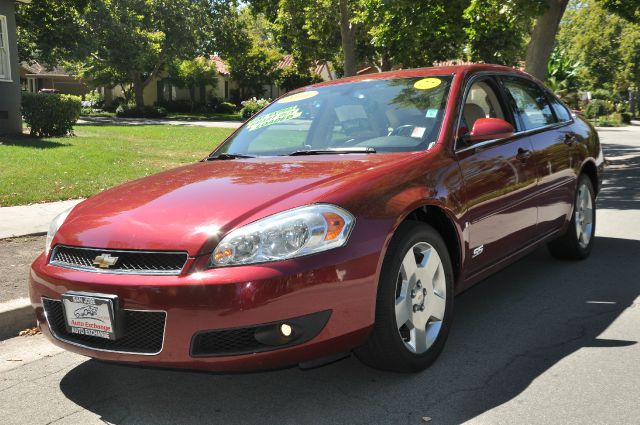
(90, 314)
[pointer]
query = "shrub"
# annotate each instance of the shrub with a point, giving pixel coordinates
(133, 111)
(113, 106)
(602, 94)
(598, 108)
(626, 117)
(225, 108)
(50, 114)
(253, 106)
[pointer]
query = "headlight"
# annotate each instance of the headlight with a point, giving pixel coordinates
(53, 228)
(289, 234)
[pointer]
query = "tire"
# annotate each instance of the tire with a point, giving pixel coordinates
(405, 347)
(577, 242)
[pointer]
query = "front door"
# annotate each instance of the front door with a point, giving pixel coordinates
(500, 182)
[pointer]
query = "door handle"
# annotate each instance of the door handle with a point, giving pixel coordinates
(570, 139)
(523, 154)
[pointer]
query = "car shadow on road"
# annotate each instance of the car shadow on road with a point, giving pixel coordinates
(622, 178)
(508, 330)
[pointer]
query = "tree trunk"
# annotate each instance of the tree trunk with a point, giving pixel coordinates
(348, 36)
(138, 88)
(385, 63)
(543, 39)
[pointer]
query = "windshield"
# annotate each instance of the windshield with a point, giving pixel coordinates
(395, 115)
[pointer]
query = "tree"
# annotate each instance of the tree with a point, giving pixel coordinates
(543, 38)
(192, 73)
(254, 69)
(136, 38)
(412, 34)
(591, 35)
(290, 78)
(496, 30)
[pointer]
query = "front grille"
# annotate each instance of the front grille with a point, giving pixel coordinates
(129, 262)
(143, 331)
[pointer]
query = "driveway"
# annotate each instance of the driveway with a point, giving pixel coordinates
(149, 121)
(543, 341)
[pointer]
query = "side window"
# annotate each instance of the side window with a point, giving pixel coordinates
(562, 112)
(531, 103)
(481, 102)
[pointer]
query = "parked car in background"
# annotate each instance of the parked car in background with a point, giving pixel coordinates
(344, 217)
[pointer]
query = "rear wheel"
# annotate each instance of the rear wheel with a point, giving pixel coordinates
(414, 302)
(576, 243)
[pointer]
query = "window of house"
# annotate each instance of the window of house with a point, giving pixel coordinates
(5, 63)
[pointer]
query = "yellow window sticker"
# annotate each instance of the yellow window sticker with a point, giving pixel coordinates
(427, 83)
(299, 96)
(286, 114)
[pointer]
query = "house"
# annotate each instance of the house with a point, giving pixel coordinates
(160, 90)
(35, 77)
(10, 116)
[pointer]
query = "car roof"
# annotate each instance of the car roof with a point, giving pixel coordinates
(423, 72)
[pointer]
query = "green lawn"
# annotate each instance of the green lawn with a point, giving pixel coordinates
(98, 157)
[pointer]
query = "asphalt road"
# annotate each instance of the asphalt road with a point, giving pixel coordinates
(543, 341)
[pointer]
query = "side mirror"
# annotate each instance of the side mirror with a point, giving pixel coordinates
(488, 129)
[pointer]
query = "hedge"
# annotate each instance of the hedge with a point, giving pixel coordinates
(133, 111)
(49, 114)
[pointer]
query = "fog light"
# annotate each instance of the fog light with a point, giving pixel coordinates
(286, 330)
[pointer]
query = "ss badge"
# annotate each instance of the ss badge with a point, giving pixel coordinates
(477, 251)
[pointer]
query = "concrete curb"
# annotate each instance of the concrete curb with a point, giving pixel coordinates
(15, 315)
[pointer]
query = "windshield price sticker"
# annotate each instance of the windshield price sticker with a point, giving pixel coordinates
(286, 114)
(427, 83)
(299, 96)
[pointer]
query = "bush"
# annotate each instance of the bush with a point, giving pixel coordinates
(253, 106)
(225, 108)
(50, 114)
(602, 94)
(626, 117)
(133, 111)
(113, 106)
(598, 108)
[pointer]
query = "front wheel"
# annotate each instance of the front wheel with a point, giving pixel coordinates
(576, 243)
(414, 304)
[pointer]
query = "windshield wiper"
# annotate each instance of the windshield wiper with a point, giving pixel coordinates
(228, 156)
(333, 151)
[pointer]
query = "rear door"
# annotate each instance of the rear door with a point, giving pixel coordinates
(499, 180)
(553, 144)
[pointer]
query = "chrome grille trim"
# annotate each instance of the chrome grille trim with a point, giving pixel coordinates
(131, 262)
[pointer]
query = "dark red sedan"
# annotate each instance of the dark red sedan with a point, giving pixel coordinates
(343, 217)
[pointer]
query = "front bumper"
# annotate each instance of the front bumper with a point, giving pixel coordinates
(230, 298)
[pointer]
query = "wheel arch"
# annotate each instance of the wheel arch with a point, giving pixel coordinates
(590, 169)
(438, 218)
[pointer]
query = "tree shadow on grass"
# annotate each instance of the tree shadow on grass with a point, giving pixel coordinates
(508, 331)
(25, 141)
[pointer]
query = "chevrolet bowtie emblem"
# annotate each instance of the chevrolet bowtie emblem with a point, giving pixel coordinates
(104, 261)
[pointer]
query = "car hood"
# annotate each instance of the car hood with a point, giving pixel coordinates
(190, 208)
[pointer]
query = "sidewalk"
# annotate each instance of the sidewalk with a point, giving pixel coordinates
(30, 219)
(148, 121)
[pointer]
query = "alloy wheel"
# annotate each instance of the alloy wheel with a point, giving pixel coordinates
(584, 216)
(421, 294)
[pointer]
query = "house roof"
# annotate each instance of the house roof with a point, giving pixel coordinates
(221, 66)
(37, 69)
